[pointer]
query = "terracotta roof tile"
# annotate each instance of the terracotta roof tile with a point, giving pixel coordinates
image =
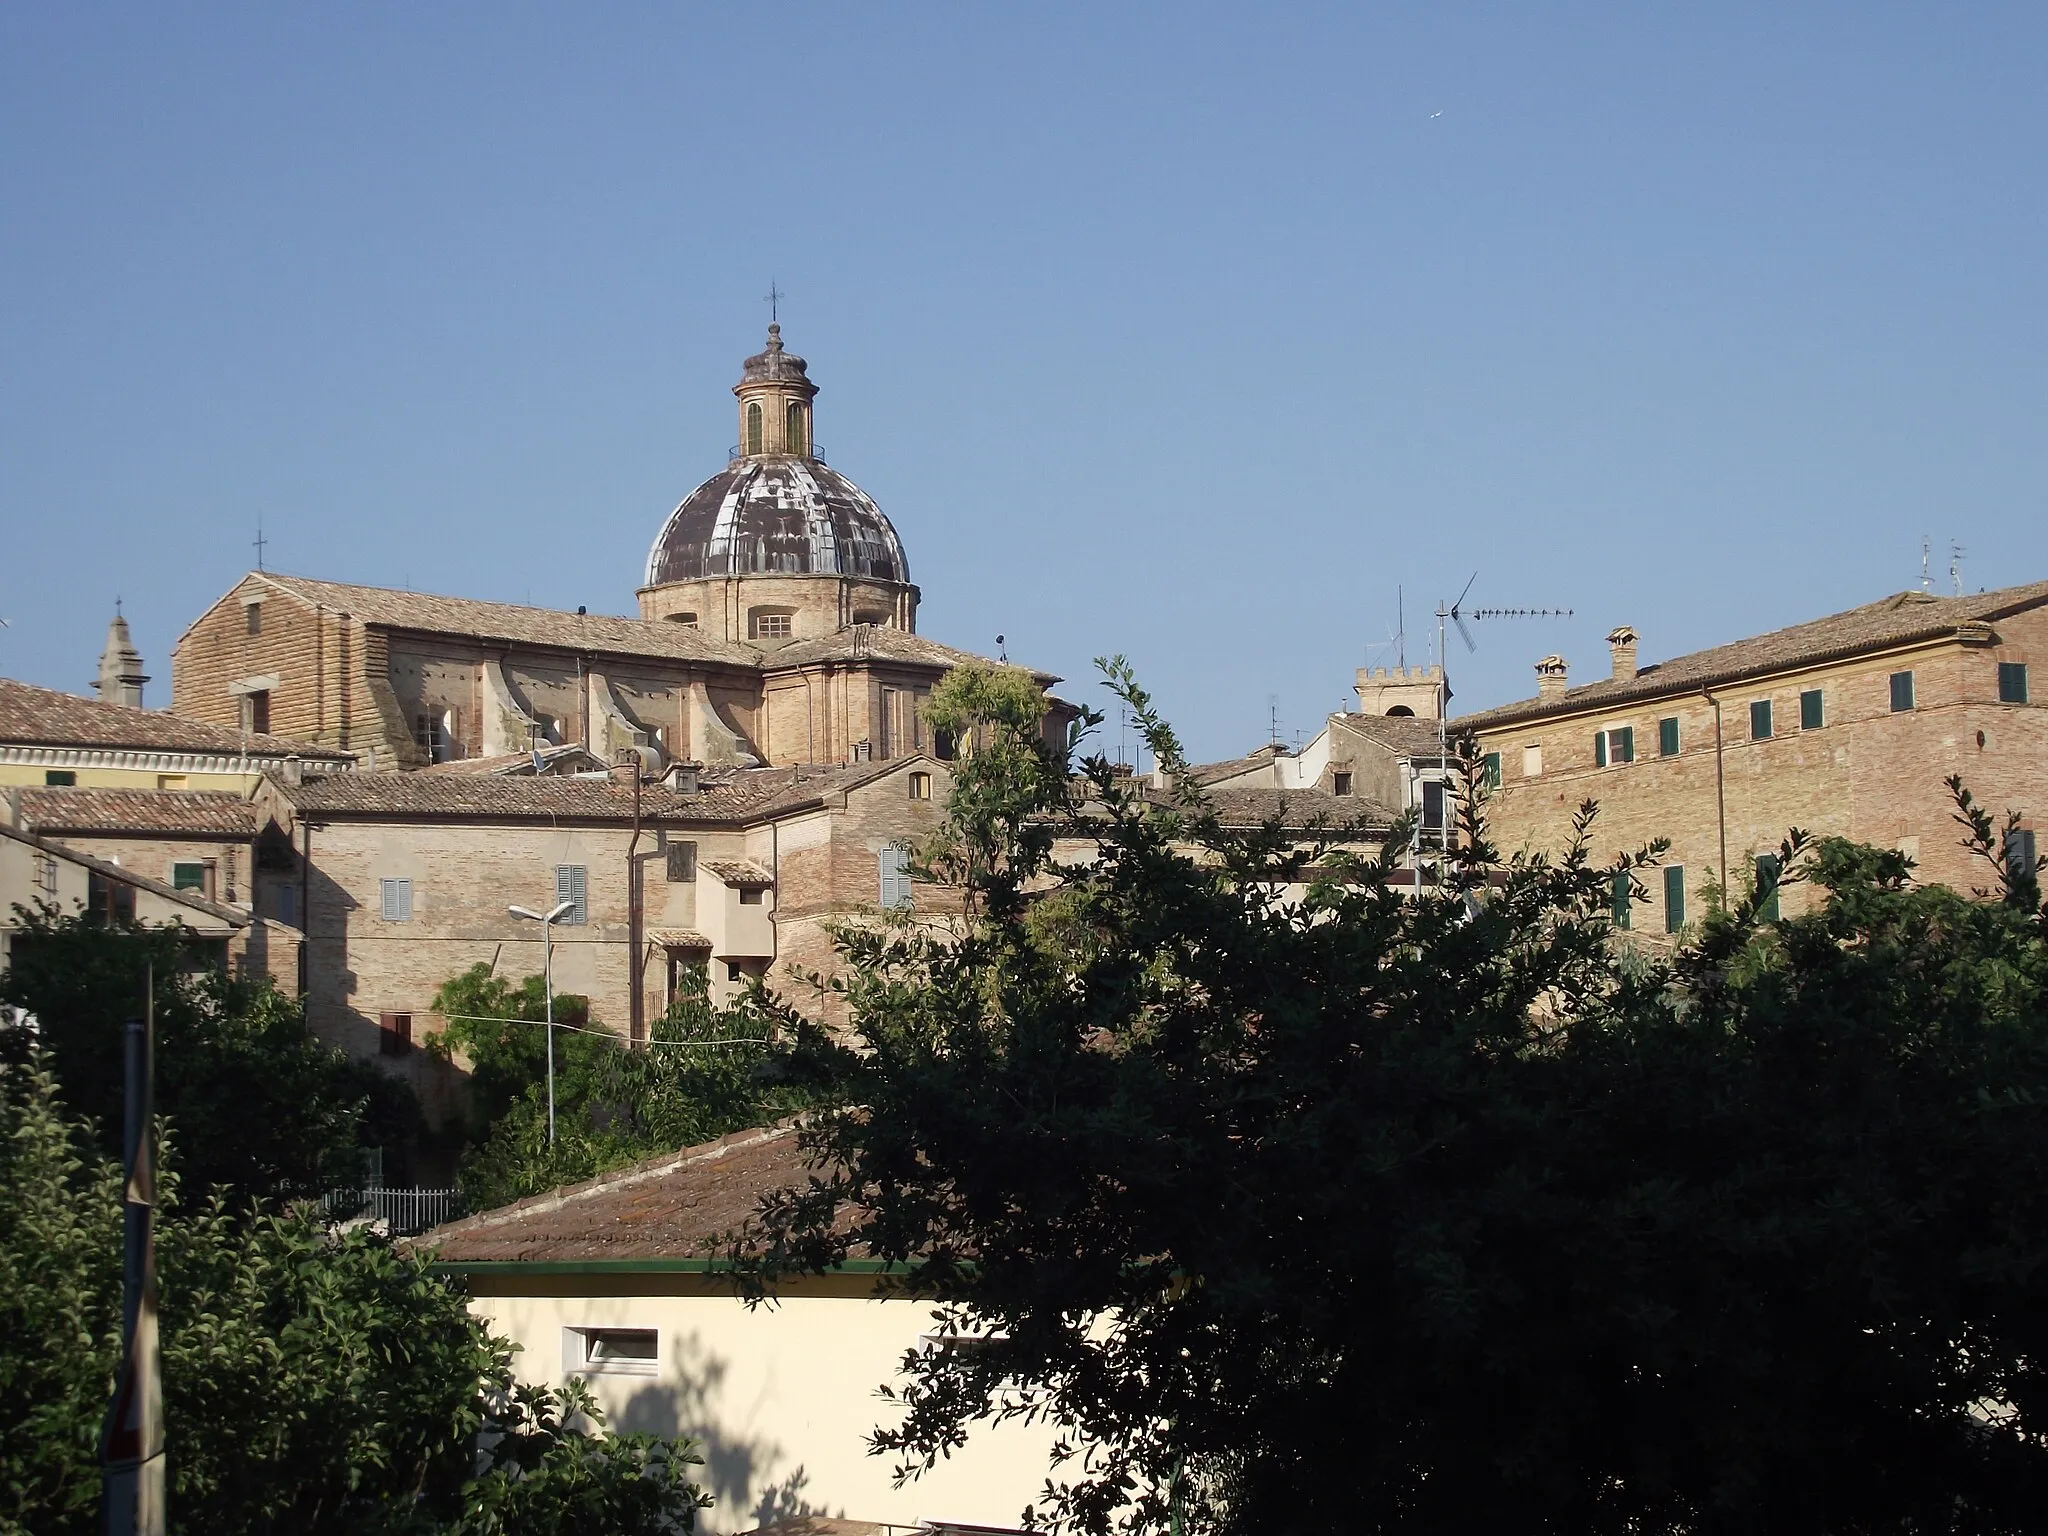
(1900, 619)
(1300, 810)
(1406, 735)
(739, 872)
(31, 716)
(671, 1207)
(174, 811)
(879, 642)
(232, 916)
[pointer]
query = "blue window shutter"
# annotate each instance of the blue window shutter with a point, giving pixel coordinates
(1599, 749)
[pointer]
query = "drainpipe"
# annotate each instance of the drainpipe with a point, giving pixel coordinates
(1720, 790)
(635, 966)
(306, 914)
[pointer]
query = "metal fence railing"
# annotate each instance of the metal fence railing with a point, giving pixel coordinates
(401, 1212)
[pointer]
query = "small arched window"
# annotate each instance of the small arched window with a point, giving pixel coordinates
(753, 426)
(794, 423)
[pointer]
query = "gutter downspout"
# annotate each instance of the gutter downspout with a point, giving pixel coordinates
(636, 965)
(1720, 791)
(306, 914)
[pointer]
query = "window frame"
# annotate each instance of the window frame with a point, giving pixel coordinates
(1674, 898)
(892, 867)
(196, 881)
(1668, 740)
(394, 898)
(920, 785)
(1902, 688)
(572, 884)
(394, 1034)
(1818, 714)
(2012, 683)
(1760, 711)
(756, 420)
(60, 778)
(581, 1357)
(752, 895)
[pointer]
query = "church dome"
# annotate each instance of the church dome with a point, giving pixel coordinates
(777, 514)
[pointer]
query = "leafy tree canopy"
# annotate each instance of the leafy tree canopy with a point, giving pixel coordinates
(256, 1103)
(314, 1381)
(705, 1071)
(1448, 1210)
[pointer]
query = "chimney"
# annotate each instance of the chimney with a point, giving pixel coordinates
(1550, 678)
(295, 769)
(1621, 642)
(682, 777)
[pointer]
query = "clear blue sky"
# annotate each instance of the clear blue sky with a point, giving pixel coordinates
(1184, 331)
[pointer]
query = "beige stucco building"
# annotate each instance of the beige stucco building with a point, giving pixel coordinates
(1845, 725)
(616, 1281)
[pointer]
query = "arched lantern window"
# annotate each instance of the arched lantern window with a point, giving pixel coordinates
(753, 426)
(794, 435)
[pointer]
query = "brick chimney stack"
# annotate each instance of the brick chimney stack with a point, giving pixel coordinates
(1550, 678)
(1621, 642)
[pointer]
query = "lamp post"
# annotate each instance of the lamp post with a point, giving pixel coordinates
(547, 983)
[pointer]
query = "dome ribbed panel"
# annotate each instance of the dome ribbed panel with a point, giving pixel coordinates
(779, 516)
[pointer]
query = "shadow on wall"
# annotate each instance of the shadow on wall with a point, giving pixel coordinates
(741, 1473)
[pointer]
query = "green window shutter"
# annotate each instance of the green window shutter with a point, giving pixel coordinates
(1599, 749)
(1767, 886)
(1625, 744)
(1492, 770)
(1812, 710)
(1623, 892)
(1902, 692)
(1667, 736)
(1674, 898)
(2012, 682)
(1760, 720)
(2019, 854)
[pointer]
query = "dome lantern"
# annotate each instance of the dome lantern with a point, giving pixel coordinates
(775, 394)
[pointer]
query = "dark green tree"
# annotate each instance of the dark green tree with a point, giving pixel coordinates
(1447, 1210)
(255, 1102)
(314, 1381)
(706, 1070)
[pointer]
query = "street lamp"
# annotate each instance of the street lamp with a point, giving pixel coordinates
(547, 983)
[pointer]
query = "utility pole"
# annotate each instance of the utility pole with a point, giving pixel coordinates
(132, 1479)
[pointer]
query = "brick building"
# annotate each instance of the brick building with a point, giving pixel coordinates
(203, 841)
(776, 626)
(405, 880)
(1845, 725)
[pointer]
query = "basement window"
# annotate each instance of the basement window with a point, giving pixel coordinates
(611, 1351)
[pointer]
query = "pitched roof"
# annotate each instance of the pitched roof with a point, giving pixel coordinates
(737, 797)
(739, 872)
(32, 716)
(518, 764)
(671, 1207)
(1409, 736)
(877, 642)
(514, 622)
(232, 916)
(163, 811)
(1299, 810)
(1901, 619)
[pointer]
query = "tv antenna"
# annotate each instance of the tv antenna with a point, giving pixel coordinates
(1926, 553)
(1273, 719)
(1955, 565)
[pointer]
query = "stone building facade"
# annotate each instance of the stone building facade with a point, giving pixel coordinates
(1846, 725)
(406, 880)
(777, 626)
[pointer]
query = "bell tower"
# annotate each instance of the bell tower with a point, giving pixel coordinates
(775, 394)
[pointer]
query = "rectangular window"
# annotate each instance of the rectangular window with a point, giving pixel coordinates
(920, 786)
(395, 900)
(1760, 720)
(62, 778)
(188, 877)
(256, 712)
(394, 1034)
(750, 895)
(46, 874)
(1340, 783)
(1667, 736)
(771, 626)
(734, 972)
(252, 613)
(1599, 749)
(611, 1351)
(572, 885)
(2012, 682)
(1674, 897)
(2020, 863)
(682, 863)
(1623, 897)
(1532, 762)
(284, 904)
(1812, 710)
(1489, 771)
(1433, 804)
(894, 864)
(1616, 746)
(1767, 886)
(429, 735)
(1902, 692)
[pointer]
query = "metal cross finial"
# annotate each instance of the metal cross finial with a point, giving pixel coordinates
(259, 541)
(775, 298)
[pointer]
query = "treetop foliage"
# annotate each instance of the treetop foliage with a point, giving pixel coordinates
(1397, 1209)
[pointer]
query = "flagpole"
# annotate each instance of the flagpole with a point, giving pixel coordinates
(132, 1441)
